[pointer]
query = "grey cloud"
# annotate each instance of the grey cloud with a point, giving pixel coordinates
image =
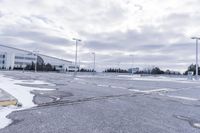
(37, 17)
(2, 14)
(150, 38)
(45, 49)
(101, 25)
(35, 36)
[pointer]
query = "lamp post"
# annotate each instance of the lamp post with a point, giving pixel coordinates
(23, 63)
(132, 60)
(119, 63)
(76, 40)
(36, 60)
(196, 38)
(94, 62)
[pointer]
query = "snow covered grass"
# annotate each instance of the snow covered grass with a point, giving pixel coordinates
(157, 78)
(183, 98)
(4, 111)
(21, 93)
(152, 91)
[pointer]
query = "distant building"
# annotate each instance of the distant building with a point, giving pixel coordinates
(133, 70)
(14, 58)
(73, 68)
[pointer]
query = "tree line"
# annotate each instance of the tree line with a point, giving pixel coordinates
(192, 68)
(155, 70)
(40, 67)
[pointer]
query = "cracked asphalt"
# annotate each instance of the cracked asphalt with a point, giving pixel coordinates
(107, 104)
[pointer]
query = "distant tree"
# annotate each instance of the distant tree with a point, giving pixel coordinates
(192, 68)
(114, 70)
(54, 68)
(48, 67)
(157, 70)
(86, 70)
(40, 67)
(170, 72)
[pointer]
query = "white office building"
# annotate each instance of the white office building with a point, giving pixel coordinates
(13, 58)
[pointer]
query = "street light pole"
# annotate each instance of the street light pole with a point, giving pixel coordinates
(197, 66)
(36, 60)
(23, 63)
(132, 56)
(94, 62)
(119, 63)
(77, 40)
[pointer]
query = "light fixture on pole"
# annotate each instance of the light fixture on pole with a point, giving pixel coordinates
(77, 40)
(196, 38)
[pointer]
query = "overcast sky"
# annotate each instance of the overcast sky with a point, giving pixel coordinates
(156, 32)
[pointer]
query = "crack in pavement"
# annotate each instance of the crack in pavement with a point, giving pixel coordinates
(79, 101)
(71, 102)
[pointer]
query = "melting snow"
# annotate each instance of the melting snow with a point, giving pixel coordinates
(152, 91)
(21, 93)
(183, 98)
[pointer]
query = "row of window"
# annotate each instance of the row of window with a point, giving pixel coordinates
(21, 63)
(2, 62)
(2, 56)
(26, 58)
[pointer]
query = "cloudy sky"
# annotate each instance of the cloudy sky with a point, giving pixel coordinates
(156, 32)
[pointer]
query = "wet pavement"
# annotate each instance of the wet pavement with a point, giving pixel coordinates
(107, 104)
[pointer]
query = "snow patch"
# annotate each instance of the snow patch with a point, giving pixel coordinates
(152, 91)
(183, 98)
(99, 85)
(21, 93)
(118, 87)
(197, 125)
(36, 82)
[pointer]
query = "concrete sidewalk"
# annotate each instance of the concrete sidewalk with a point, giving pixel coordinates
(6, 99)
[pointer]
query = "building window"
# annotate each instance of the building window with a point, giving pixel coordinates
(26, 58)
(18, 57)
(2, 56)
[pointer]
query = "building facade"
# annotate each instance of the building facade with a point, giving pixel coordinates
(133, 70)
(13, 58)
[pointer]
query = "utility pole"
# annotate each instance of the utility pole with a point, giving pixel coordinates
(76, 40)
(94, 62)
(197, 66)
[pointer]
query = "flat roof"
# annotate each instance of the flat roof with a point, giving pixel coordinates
(32, 52)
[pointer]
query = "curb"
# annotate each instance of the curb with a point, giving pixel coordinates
(6, 99)
(8, 103)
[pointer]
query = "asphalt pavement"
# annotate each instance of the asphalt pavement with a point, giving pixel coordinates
(107, 104)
